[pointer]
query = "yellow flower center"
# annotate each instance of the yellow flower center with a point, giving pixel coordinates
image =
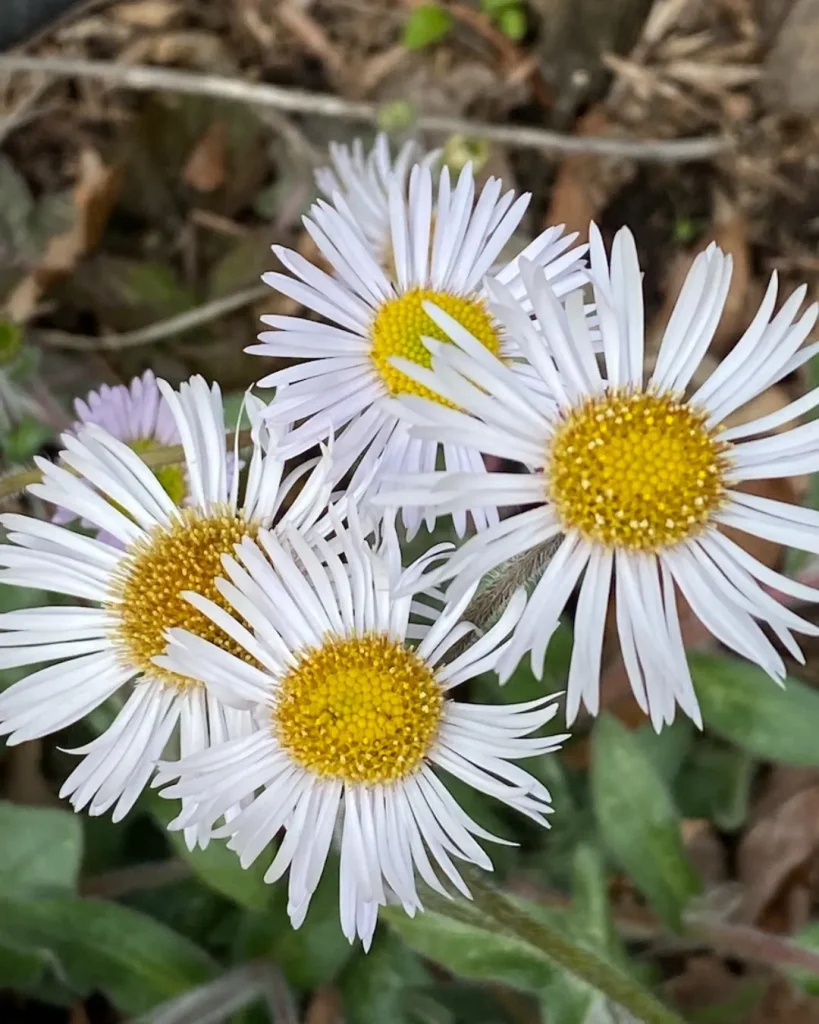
(400, 324)
(638, 471)
(147, 594)
(171, 478)
(364, 709)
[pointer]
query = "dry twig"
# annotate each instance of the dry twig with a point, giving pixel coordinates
(297, 101)
(154, 332)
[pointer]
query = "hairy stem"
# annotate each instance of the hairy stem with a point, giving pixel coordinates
(523, 570)
(583, 963)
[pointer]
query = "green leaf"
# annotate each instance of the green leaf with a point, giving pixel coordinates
(591, 916)
(132, 959)
(25, 439)
(375, 986)
(512, 22)
(217, 866)
(310, 956)
(715, 784)
(462, 1002)
(16, 210)
(11, 342)
(40, 848)
(522, 945)
(807, 938)
(21, 968)
(426, 25)
(566, 998)
(740, 702)
(667, 750)
(471, 946)
(638, 821)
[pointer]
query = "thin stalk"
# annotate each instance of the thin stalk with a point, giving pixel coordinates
(583, 963)
(165, 455)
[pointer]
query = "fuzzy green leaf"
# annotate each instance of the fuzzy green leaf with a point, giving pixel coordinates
(638, 820)
(40, 849)
(216, 865)
(740, 702)
(133, 959)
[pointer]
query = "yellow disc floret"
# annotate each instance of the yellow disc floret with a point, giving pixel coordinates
(400, 324)
(364, 709)
(147, 594)
(639, 471)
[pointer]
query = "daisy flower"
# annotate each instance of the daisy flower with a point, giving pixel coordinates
(362, 183)
(638, 477)
(442, 247)
(353, 723)
(138, 415)
(129, 593)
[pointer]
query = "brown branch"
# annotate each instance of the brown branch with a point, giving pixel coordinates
(752, 945)
(159, 331)
(297, 101)
(640, 924)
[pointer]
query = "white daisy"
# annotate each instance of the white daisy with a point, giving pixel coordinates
(638, 479)
(352, 723)
(130, 591)
(363, 180)
(442, 248)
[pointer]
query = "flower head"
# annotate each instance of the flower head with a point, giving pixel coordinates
(442, 245)
(139, 416)
(132, 590)
(359, 184)
(638, 477)
(352, 722)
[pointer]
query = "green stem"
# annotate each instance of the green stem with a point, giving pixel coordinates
(583, 963)
(497, 587)
(156, 458)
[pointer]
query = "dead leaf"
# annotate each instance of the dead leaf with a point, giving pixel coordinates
(324, 1007)
(705, 981)
(206, 167)
(784, 1004)
(586, 181)
(146, 13)
(777, 852)
(705, 850)
(95, 193)
(25, 782)
(198, 49)
(78, 1015)
(730, 232)
(308, 31)
(790, 81)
